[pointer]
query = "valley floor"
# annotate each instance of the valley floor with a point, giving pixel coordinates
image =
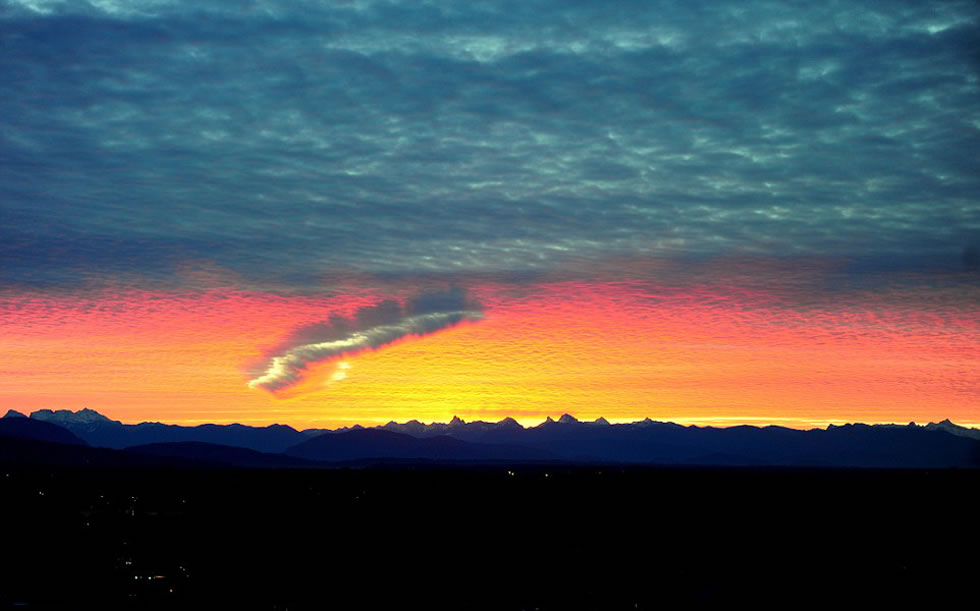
(518, 537)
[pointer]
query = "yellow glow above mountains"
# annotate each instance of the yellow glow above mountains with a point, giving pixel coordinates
(625, 350)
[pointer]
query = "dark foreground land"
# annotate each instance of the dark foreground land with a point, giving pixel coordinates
(488, 537)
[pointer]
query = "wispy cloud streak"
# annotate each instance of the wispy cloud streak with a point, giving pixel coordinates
(372, 327)
(287, 369)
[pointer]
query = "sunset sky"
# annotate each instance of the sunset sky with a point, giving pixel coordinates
(333, 213)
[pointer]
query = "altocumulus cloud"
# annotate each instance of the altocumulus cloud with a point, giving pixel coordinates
(372, 327)
(286, 140)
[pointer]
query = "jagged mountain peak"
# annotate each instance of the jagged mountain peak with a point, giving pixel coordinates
(509, 423)
(12, 413)
(66, 416)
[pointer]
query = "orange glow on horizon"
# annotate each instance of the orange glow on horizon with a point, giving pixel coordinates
(694, 354)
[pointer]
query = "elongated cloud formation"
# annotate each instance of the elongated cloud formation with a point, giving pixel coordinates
(372, 328)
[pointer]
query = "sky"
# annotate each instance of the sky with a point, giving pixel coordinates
(333, 213)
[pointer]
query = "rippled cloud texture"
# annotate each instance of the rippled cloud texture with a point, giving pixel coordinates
(729, 209)
(287, 140)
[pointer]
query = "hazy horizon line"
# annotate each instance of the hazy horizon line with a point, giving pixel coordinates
(531, 422)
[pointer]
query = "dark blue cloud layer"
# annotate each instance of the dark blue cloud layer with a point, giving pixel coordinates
(291, 140)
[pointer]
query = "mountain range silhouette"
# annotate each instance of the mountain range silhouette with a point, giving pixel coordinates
(567, 439)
